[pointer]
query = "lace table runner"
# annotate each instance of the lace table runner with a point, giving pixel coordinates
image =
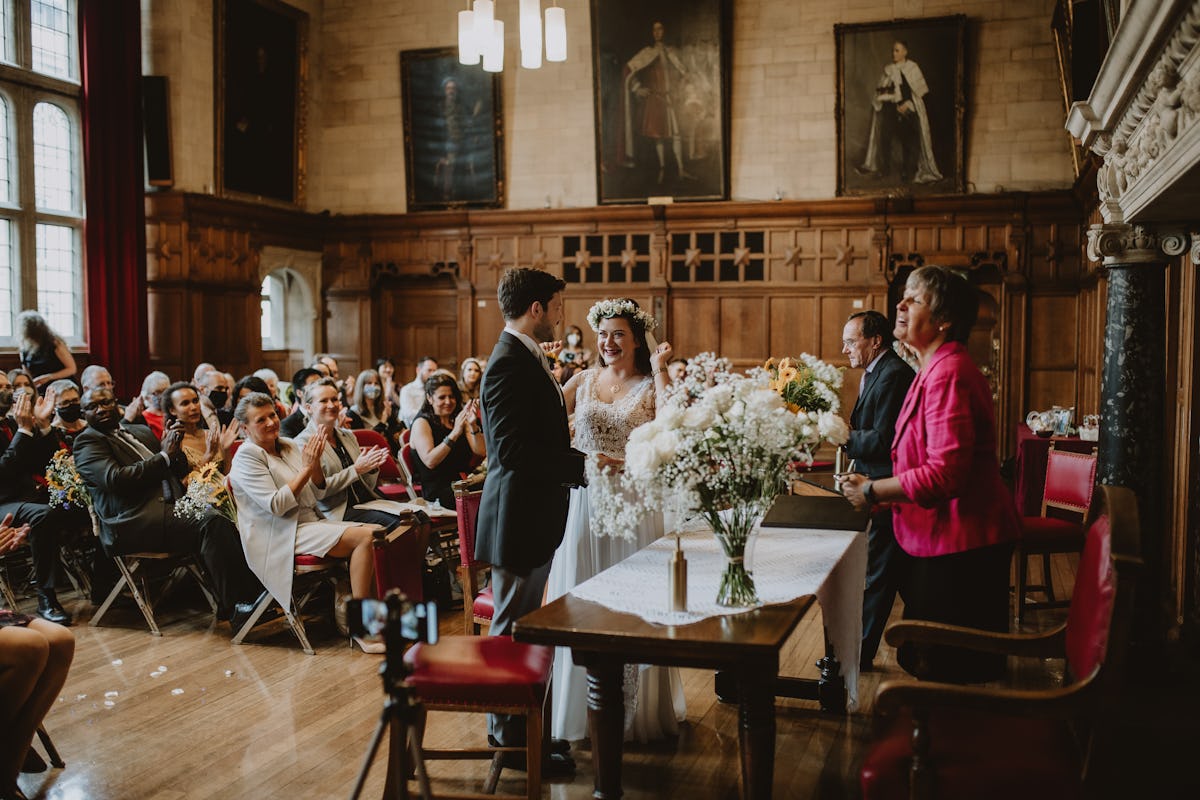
(786, 563)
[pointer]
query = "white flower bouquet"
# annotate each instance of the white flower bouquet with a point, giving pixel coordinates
(721, 446)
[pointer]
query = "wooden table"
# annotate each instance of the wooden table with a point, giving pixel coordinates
(745, 646)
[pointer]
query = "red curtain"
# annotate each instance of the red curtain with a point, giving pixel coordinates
(111, 36)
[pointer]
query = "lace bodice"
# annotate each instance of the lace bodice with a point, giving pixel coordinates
(605, 427)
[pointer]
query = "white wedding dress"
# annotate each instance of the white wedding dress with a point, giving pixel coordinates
(654, 700)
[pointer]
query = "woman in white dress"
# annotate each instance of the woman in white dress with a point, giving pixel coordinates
(272, 479)
(608, 402)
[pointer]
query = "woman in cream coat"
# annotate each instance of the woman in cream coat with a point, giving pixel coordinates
(273, 481)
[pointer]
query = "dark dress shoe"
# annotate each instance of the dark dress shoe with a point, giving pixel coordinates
(33, 762)
(49, 609)
(554, 765)
(560, 746)
(243, 611)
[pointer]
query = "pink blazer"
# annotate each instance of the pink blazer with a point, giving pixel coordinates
(944, 455)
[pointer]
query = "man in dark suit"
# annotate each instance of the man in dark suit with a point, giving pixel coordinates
(26, 447)
(295, 422)
(134, 485)
(531, 465)
(867, 340)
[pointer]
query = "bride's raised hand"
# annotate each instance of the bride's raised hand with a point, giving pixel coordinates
(661, 356)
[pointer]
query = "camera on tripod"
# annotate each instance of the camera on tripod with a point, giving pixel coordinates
(395, 619)
(400, 623)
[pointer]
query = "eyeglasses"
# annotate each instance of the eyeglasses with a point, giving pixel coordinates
(109, 403)
(850, 342)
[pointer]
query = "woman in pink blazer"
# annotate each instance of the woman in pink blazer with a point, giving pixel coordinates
(954, 517)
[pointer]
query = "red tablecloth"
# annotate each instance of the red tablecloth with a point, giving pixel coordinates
(1031, 466)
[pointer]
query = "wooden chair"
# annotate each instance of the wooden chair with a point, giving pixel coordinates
(485, 674)
(406, 461)
(478, 605)
(1070, 479)
(132, 568)
(309, 575)
(943, 740)
(394, 482)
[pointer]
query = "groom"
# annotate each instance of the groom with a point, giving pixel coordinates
(531, 465)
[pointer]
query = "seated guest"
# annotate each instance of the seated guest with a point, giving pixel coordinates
(952, 514)
(387, 374)
(35, 656)
(446, 437)
(20, 379)
(44, 354)
(68, 414)
(28, 447)
(677, 370)
(214, 390)
(200, 445)
(370, 410)
(412, 395)
(94, 376)
(202, 369)
(293, 423)
(145, 408)
(272, 380)
(248, 385)
(573, 350)
(134, 485)
(470, 378)
(350, 474)
(273, 481)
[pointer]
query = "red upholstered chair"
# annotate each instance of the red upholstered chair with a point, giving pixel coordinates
(946, 741)
(394, 483)
(1070, 479)
(478, 606)
(485, 674)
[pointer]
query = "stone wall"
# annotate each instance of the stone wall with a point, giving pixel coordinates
(783, 91)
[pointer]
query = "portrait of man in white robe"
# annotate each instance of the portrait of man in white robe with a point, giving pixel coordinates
(900, 118)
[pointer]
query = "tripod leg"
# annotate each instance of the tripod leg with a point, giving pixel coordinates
(414, 743)
(372, 749)
(397, 768)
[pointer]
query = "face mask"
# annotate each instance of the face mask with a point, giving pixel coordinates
(573, 339)
(70, 413)
(371, 390)
(218, 397)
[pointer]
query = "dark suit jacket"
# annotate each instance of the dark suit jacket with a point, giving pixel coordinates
(22, 457)
(523, 511)
(873, 421)
(292, 424)
(132, 496)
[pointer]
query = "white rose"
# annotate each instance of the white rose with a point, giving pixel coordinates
(699, 416)
(666, 444)
(833, 428)
(720, 396)
(670, 416)
(736, 410)
(641, 460)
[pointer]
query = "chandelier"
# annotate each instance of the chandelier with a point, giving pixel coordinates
(481, 35)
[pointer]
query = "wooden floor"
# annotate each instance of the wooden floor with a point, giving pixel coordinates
(188, 715)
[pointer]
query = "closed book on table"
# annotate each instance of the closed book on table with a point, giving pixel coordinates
(832, 512)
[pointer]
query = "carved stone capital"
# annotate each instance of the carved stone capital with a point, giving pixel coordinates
(1115, 244)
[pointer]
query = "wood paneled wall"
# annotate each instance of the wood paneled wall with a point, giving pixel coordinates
(746, 280)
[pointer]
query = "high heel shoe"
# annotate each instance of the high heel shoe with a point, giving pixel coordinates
(371, 648)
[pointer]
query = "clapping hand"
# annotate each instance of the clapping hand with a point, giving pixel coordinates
(552, 348)
(43, 411)
(370, 459)
(23, 410)
(134, 409)
(343, 418)
(465, 418)
(11, 538)
(172, 441)
(313, 449)
(661, 356)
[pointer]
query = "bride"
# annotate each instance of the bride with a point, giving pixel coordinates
(608, 402)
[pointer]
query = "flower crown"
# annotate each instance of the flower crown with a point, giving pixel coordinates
(607, 309)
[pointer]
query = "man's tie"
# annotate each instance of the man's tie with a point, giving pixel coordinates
(132, 442)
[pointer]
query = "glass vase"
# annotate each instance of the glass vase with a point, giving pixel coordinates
(732, 528)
